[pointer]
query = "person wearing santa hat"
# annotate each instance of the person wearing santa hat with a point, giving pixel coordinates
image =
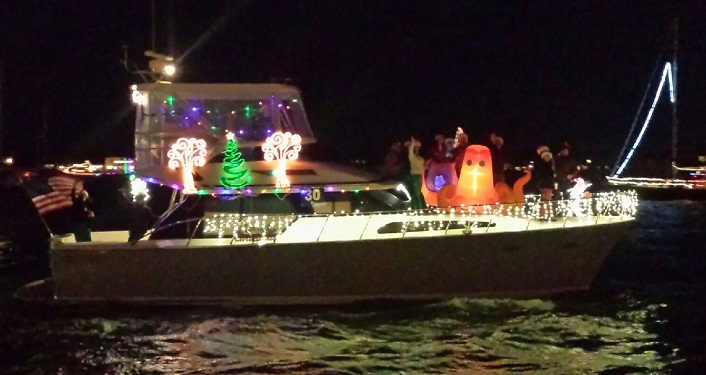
(544, 172)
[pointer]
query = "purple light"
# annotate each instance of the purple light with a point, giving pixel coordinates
(248, 191)
(194, 109)
(174, 186)
(269, 131)
(439, 182)
(281, 105)
(329, 188)
(241, 131)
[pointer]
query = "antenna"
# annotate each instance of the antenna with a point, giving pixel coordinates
(160, 66)
(674, 101)
(2, 77)
(154, 28)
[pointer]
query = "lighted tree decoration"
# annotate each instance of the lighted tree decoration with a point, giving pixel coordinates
(282, 147)
(189, 153)
(234, 174)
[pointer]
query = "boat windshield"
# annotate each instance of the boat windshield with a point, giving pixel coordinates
(207, 111)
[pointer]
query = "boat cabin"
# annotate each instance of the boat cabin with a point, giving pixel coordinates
(206, 117)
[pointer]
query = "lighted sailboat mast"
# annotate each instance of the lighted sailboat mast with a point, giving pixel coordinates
(674, 101)
(668, 76)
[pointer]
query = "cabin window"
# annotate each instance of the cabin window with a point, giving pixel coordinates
(252, 121)
(431, 225)
(173, 115)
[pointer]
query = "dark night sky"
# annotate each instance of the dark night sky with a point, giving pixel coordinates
(369, 71)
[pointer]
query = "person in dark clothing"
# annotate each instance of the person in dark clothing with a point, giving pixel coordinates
(566, 170)
(142, 219)
(459, 151)
(499, 157)
(437, 154)
(544, 175)
(394, 163)
(81, 214)
(544, 172)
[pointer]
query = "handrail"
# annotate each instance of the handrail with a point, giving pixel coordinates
(459, 210)
(155, 230)
(269, 227)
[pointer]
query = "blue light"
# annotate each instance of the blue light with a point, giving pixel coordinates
(439, 182)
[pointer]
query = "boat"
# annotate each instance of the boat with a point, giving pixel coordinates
(273, 229)
(684, 182)
(664, 189)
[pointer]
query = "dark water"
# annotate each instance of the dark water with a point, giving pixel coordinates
(645, 314)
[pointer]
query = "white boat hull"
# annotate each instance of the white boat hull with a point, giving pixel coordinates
(548, 260)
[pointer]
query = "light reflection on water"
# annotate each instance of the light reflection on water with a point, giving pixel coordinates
(486, 336)
(632, 322)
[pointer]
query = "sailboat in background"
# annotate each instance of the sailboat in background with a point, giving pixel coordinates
(691, 187)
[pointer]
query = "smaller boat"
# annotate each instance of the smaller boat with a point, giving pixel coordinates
(685, 182)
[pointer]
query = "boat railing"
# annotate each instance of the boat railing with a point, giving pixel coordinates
(266, 228)
(655, 182)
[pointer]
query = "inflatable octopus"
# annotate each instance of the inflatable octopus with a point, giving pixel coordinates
(441, 187)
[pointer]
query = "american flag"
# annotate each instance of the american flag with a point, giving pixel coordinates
(60, 196)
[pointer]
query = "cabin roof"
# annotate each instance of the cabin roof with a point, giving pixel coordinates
(220, 91)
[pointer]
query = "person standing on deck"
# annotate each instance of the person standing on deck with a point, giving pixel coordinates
(566, 170)
(459, 151)
(394, 166)
(544, 175)
(81, 214)
(438, 152)
(416, 168)
(499, 157)
(142, 219)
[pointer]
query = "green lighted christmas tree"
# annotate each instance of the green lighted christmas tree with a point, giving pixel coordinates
(234, 174)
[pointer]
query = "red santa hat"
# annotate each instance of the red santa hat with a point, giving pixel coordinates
(544, 153)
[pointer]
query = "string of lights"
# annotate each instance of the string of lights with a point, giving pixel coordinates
(268, 227)
(657, 182)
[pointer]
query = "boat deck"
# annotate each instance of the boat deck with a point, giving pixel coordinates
(493, 251)
(236, 229)
(353, 228)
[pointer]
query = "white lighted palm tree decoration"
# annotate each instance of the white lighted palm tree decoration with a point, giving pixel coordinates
(189, 153)
(282, 147)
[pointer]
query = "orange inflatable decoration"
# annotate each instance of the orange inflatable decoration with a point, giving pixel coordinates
(516, 194)
(475, 184)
